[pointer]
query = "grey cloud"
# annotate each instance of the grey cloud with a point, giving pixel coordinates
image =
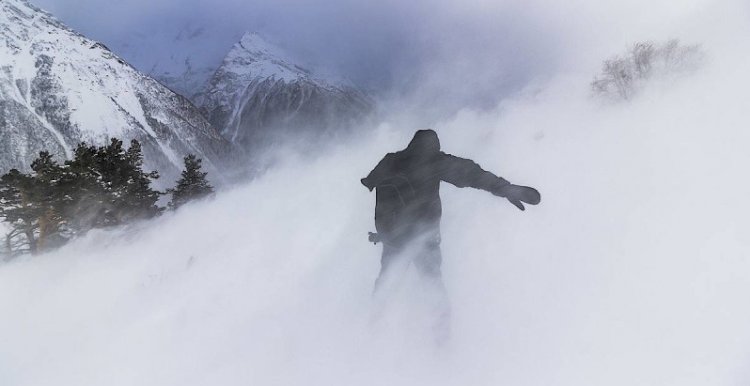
(437, 55)
(389, 47)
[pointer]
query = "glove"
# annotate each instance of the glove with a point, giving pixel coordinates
(517, 195)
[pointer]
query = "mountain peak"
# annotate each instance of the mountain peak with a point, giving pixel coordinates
(59, 88)
(254, 57)
(255, 43)
(260, 97)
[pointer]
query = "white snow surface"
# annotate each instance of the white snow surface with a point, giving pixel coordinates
(632, 270)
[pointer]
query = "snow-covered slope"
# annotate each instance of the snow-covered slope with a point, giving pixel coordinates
(58, 88)
(632, 270)
(259, 97)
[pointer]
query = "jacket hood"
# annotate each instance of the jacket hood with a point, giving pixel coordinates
(425, 142)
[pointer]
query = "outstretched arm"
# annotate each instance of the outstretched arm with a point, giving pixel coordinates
(463, 172)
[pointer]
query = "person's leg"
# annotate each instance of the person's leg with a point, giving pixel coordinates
(384, 287)
(428, 262)
(428, 258)
(390, 251)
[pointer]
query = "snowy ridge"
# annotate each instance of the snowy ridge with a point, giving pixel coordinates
(254, 57)
(185, 66)
(260, 95)
(58, 88)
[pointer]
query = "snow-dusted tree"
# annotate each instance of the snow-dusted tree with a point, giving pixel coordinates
(18, 210)
(32, 205)
(99, 187)
(191, 185)
(623, 76)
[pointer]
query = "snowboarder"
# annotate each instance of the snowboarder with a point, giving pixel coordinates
(408, 208)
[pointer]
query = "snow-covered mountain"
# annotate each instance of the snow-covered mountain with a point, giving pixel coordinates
(58, 88)
(183, 59)
(260, 97)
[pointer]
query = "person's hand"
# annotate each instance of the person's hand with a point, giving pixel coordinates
(366, 183)
(373, 237)
(517, 195)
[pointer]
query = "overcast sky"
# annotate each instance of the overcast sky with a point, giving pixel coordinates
(475, 49)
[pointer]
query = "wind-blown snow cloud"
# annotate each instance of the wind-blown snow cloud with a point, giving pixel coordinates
(376, 43)
(455, 53)
(631, 271)
(441, 55)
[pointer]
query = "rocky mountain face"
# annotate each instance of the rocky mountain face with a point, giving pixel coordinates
(260, 98)
(58, 88)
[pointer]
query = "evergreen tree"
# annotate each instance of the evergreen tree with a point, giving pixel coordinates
(17, 209)
(192, 184)
(32, 205)
(49, 200)
(140, 198)
(128, 188)
(83, 184)
(99, 187)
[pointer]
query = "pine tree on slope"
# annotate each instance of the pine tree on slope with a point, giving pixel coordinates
(33, 205)
(129, 195)
(192, 184)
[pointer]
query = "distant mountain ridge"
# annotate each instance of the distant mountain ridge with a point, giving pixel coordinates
(260, 97)
(58, 88)
(191, 58)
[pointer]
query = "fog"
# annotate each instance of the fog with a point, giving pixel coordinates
(632, 270)
(433, 57)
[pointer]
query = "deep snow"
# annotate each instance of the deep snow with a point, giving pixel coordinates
(632, 271)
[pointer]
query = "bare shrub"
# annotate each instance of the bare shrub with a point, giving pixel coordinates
(623, 76)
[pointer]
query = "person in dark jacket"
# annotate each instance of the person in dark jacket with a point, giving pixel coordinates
(408, 208)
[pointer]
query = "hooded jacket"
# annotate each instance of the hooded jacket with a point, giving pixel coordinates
(407, 186)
